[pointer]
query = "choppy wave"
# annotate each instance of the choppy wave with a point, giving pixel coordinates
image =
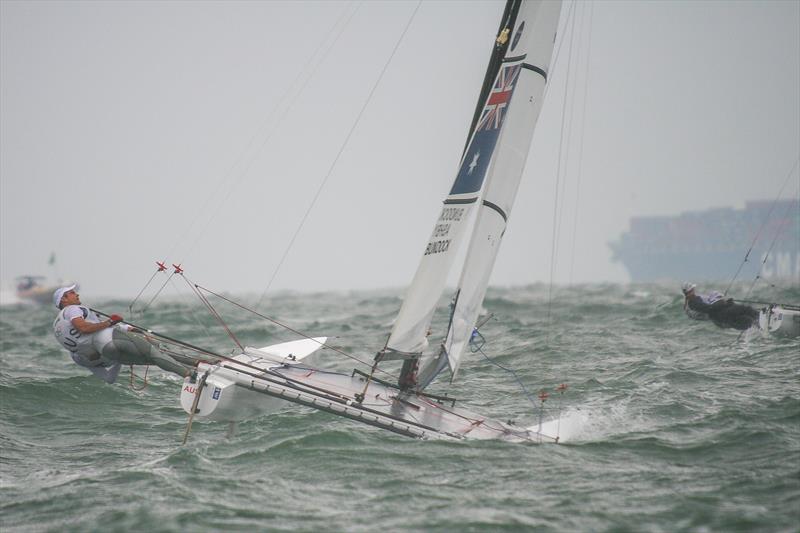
(666, 425)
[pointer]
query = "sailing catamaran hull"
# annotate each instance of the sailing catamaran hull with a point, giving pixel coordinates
(222, 399)
(777, 320)
(227, 386)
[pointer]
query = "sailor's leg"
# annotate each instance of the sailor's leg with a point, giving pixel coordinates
(165, 362)
(130, 348)
(101, 340)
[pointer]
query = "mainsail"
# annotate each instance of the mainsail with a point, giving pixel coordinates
(410, 331)
(526, 65)
(483, 191)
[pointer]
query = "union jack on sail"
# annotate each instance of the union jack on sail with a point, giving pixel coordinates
(493, 113)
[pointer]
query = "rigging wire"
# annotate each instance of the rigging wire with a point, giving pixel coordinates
(554, 64)
(554, 239)
(567, 123)
(764, 223)
(338, 155)
(158, 292)
(479, 349)
(230, 179)
(160, 269)
(213, 312)
(581, 138)
(477, 342)
(289, 328)
(569, 104)
(778, 233)
(307, 71)
(193, 314)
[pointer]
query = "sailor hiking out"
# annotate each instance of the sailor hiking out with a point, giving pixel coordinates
(103, 346)
(723, 312)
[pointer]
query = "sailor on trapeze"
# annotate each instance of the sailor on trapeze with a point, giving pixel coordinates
(715, 307)
(100, 346)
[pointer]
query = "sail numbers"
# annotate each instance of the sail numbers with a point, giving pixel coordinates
(439, 243)
(451, 214)
(437, 247)
(441, 230)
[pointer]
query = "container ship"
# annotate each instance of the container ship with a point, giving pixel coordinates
(710, 245)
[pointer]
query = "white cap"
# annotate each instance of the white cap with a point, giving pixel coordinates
(687, 287)
(60, 294)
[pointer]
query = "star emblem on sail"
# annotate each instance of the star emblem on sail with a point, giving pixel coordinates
(474, 162)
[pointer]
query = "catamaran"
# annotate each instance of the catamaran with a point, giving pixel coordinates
(780, 319)
(474, 214)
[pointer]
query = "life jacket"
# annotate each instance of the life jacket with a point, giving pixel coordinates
(68, 335)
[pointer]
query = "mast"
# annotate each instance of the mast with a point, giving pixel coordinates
(409, 336)
(495, 61)
(524, 72)
(481, 163)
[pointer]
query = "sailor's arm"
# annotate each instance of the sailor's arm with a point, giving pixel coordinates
(84, 326)
(696, 303)
(719, 304)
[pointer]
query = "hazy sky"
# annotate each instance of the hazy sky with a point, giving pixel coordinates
(200, 133)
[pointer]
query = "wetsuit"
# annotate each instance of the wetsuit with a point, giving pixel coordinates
(724, 313)
(86, 348)
(103, 352)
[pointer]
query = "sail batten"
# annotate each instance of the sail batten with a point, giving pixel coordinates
(534, 68)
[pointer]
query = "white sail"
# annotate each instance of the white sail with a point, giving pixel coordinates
(409, 334)
(526, 65)
(411, 328)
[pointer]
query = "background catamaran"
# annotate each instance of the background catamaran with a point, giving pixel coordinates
(476, 210)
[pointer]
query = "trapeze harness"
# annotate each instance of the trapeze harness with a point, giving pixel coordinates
(85, 348)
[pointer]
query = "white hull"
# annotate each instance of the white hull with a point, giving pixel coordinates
(222, 400)
(779, 321)
(255, 383)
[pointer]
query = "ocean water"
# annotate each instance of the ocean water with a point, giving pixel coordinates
(667, 425)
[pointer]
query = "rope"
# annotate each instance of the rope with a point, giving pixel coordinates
(764, 223)
(554, 238)
(153, 299)
(580, 148)
(338, 155)
(300, 333)
(479, 349)
(558, 47)
(477, 346)
(567, 124)
(194, 314)
(144, 386)
(769, 250)
(213, 311)
(231, 178)
(130, 306)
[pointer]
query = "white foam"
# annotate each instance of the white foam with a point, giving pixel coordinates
(587, 424)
